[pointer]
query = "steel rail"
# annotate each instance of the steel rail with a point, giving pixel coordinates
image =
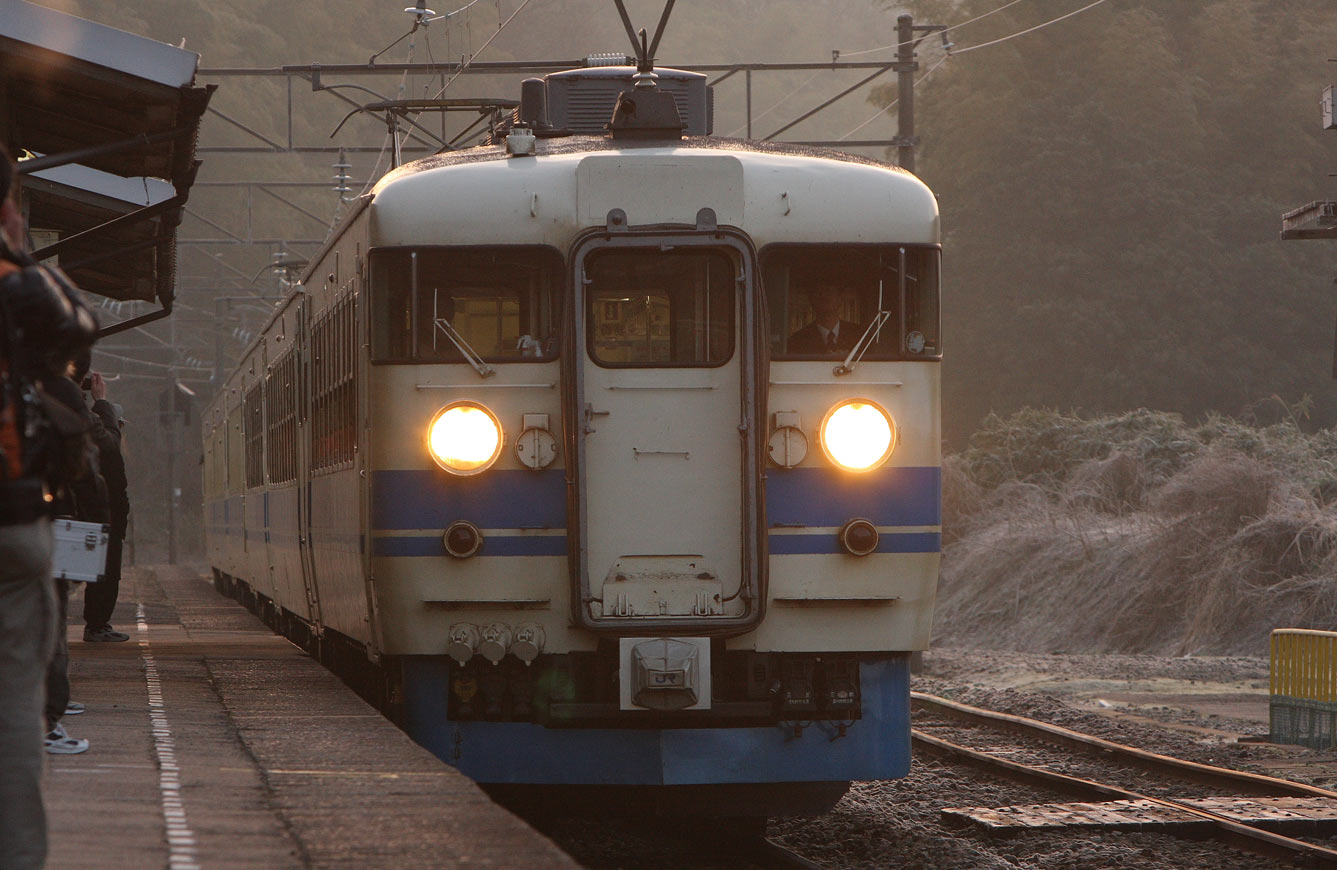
(1203, 773)
(775, 855)
(1236, 833)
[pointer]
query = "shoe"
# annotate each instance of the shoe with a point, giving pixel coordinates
(104, 634)
(60, 743)
(74, 708)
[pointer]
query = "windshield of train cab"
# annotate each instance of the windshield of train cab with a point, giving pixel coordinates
(429, 305)
(821, 299)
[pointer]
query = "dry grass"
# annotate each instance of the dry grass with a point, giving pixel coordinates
(1137, 533)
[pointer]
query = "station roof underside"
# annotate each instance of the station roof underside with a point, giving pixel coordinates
(97, 106)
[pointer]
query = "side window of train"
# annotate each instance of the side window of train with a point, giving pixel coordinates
(430, 304)
(254, 413)
(333, 389)
(822, 298)
(660, 308)
(281, 420)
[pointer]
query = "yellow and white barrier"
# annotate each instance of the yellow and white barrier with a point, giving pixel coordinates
(1303, 704)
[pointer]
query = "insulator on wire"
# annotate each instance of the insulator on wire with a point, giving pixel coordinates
(342, 176)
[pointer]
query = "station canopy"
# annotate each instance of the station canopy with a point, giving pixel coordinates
(111, 121)
(1317, 220)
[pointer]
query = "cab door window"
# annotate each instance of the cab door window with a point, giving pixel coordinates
(649, 307)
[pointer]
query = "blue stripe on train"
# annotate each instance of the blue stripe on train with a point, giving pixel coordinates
(827, 497)
(888, 542)
(876, 746)
(493, 545)
(499, 499)
(553, 545)
(504, 499)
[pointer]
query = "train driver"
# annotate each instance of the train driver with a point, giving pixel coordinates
(828, 334)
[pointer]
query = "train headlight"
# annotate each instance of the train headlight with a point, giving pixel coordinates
(858, 435)
(464, 438)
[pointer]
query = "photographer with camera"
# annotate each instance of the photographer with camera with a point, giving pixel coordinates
(100, 597)
(43, 447)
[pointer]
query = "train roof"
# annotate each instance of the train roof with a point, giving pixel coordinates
(775, 192)
(585, 144)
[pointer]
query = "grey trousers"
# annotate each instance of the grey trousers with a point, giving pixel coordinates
(27, 631)
(58, 668)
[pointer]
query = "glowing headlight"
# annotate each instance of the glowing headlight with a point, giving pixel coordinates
(858, 435)
(464, 438)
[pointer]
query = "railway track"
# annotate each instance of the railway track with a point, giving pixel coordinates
(1039, 765)
(771, 854)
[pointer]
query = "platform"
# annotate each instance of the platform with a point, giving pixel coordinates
(216, 744)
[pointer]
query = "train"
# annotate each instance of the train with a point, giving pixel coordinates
(606, 456)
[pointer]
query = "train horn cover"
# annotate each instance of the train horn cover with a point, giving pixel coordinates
(464, 438)
(858, 435)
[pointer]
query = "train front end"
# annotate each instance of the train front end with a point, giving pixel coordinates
(655, 488)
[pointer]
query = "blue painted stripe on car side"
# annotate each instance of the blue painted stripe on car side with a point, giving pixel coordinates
(888, 542)
(499, 499)
(493, 545)
(896, 496)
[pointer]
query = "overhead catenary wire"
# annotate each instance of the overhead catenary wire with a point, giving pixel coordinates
(144, 362)
(951, 27)
(1029, 29)
(880, 112)
(373, 176)
(481, 49)
(969, 48)
(778, 103)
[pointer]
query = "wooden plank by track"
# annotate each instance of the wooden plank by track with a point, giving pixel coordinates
(1297, 815)
(1241, 835)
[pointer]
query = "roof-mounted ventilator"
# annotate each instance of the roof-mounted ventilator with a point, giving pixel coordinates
(531, 120)
(645, 112)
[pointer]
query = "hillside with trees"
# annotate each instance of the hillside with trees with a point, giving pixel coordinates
(1111, 189)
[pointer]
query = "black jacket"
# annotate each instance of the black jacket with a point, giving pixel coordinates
(808, 340)
(112, 464)
(85, 498)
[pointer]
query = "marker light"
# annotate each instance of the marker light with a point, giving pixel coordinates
(857, 435)
(464, 438)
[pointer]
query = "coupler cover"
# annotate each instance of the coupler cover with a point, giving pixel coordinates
(664, 673)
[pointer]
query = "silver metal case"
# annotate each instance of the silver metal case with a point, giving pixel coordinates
(79, 550)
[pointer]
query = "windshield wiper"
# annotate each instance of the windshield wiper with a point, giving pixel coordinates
(861, 346)
(871, 334)
(466, 350)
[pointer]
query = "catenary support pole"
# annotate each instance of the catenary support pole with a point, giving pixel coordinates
(905, 91)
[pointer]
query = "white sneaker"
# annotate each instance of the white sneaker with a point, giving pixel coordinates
(74, 708)
(60, 743)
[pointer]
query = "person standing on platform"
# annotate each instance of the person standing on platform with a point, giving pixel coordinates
(85, 500)
(100, 597)
(41, 324)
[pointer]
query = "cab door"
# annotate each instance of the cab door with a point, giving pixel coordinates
(663, 363)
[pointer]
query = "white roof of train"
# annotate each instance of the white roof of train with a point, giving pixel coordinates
(775, 193)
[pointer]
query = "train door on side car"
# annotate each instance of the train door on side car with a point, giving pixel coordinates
(664, 374)
(304, 373)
